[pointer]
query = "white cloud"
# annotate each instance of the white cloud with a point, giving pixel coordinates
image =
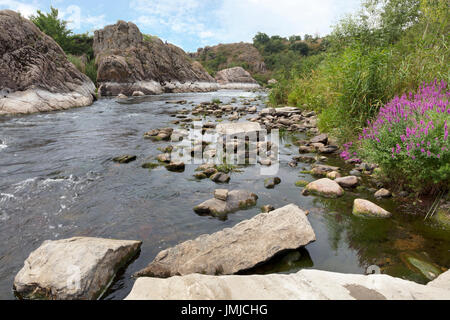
(25, 9)
(239, 20)
(79, 20)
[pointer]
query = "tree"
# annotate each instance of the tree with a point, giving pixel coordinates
(295, 38)
(260, 39)
(53, 27)
(300, 47)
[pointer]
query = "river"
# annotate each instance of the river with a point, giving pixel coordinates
(57, 180)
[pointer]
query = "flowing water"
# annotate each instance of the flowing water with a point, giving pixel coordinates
(57, 180)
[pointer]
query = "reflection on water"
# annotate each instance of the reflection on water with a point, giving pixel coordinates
(57, 180)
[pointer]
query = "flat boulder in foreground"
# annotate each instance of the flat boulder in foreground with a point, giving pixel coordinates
(242, 247)
(35, 74)
(304, 285)
(73, 269)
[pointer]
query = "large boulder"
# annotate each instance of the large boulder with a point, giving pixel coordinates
(77, 268)
(242, 247)
(236, 78)
(128, 62)
(324, 187)
(238, 128)
(366, 208)
(304, 285)
(236, 200)
(35, 74)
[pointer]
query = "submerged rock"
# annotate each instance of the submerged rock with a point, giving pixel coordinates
(303, 285)
(77, 268)
(35, 74)
(366, 208)
(270, 183)
(236, 200)
(420, 263)
(125, 159)
(324, 187)
(229, 251)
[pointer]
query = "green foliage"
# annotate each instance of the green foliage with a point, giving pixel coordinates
(388, 48)
(76, 46)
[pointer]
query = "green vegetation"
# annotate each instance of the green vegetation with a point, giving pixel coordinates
(284, 54)
(78, 47)
(389, 48)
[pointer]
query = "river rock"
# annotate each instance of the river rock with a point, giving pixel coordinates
(236, 200)
(333, 175)
(270, 183)
(322, 138)
(220, 177)
(303, 285)
(238, 128)
(127, 62)
(443, 281)
(176, 166)
(77, 268)
(383, 193)
(221, 194)
(164, 157)
(138, 94)
(324, 187)
(348, 182)
(236, 78)
(366, 208)
(267, 208)
(229, 251)
(121, 96)
(35, 74)
(125, 159)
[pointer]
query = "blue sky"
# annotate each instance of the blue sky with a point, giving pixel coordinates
(191, 24)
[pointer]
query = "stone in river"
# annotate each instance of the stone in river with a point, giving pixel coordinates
(73, 269)
(125, 159)
(220, 177)
(270, 183)
(267, 208)
(322, 138)
(176, 166)
(236, 200)
(383, 193)
(366, 208)
(348, 182)
(221, 194)
(231, 250)
(324, 187)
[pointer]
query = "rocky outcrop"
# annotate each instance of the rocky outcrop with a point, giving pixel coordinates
(232, 54)
(366, 208)
(35, 74)
(77, 268)
(127, 63)
(242, 247)
(304, 285)
(236, 78)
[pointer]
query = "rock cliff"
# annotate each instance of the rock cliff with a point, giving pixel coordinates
(35, 74)
(127, 62)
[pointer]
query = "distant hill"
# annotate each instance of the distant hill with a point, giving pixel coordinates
(231, 55)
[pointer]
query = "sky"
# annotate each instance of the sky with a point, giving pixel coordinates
(192, 24)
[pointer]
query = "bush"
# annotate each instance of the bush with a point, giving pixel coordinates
(409, 139)
(88, 67)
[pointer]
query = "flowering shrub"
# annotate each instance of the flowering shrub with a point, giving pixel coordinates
(409, 139)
